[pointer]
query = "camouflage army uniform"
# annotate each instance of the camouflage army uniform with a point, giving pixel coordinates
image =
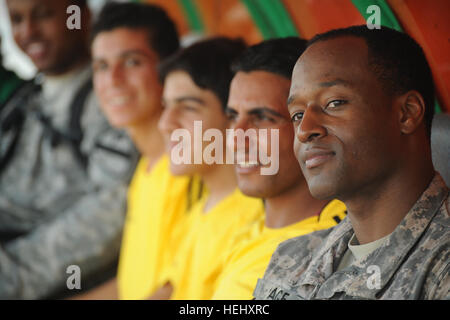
(412, 264)
(54, 211)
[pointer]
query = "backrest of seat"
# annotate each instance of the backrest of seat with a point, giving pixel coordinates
(440, 145)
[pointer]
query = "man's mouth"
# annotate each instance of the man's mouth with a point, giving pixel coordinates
(36, 50)
(171, 144)
(316, 157)
(245, 167)
(119, 101)
(248, 164)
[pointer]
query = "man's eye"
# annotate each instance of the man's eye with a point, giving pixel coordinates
(261, 119)
(16, 19)
(335, 103)
(298, 116)
(131, 62)
(231, 116)
(189, 108)
(96, 67)
(264, 117)
(43, 13)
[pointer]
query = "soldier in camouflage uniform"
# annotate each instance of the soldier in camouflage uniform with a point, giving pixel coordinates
(413, 263)
(362, 112)
(64, 170)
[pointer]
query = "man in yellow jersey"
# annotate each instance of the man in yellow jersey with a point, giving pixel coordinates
(257, 100)
(196, 83)
(129, 40)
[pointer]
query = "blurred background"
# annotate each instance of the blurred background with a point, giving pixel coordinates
(254, 20)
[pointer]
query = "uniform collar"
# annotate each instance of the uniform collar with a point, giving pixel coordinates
(325, 260)
(54, 86)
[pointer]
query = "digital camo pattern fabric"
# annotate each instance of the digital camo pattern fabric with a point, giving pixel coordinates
(412, 264)
(55, 212)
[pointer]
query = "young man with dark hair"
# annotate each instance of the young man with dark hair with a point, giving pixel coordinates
(257, 100)
(361, 110)
(129, 40)
(63, 169)
(161, 32)
(196, 83)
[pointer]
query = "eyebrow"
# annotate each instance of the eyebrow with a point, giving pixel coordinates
(259, 110)
(135, 52)
(126, 54)
(336, 82)
(256, 110)
(291, 99)
(229, 109)
(326, 84)
(191, 99)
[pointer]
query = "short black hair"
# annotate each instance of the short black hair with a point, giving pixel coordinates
(208, 63)
(396, 59)
(163, 35)
(80, 3)
(274, 55)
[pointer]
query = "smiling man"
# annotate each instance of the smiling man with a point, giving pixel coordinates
(362, 112)
(40, 31)
(129, 40)
(196, 84)
(257, 101)
(63, 169)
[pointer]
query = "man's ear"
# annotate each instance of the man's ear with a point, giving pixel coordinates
(411, 111)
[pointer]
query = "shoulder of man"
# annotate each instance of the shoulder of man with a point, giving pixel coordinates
(295, 252)
(112, 154)
(435, 248)
(443, 217)
(422, 271)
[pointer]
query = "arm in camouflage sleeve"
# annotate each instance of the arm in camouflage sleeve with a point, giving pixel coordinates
(87, 234)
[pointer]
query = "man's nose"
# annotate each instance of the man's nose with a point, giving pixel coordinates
(241, 124)
(168, 121)
(115, 75)
(26, 30)
(311, 126)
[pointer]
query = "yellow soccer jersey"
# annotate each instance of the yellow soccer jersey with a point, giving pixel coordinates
(201, 257)
(248, 261)
(157, 205)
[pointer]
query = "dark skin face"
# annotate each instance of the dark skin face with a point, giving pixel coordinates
(355, 140)
(348, 137)
(39, 29)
